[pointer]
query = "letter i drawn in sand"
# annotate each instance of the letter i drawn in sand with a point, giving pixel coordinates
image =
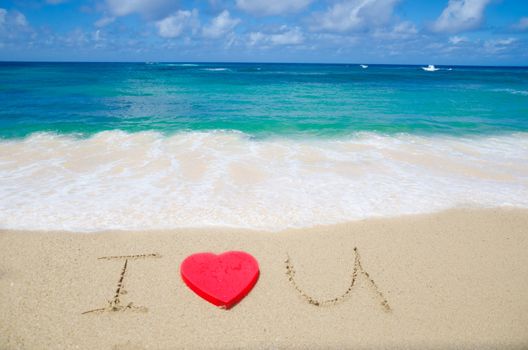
(116, 303)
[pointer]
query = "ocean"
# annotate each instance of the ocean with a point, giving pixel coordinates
(96, 146)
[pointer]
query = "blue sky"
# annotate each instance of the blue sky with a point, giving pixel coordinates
(490, 32)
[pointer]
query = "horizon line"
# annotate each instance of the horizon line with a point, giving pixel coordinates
(261, 62)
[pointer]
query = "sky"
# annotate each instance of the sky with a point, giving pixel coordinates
(472, 32)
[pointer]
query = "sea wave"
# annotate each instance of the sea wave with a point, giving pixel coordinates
(519, 92)
(216, 69)
(175, 64)
(513, 91)
(146, 180)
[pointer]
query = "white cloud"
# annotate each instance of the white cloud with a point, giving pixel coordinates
(3, 15)
(148, 8)
(404, 30)
(220, 25)
(455, 40)
(98, 39)
(286, 36)
(19, 19)
(400, 31)
(352, 15)
(76, 38)
(405, 27)
(272, 7)
(256, 37)
(103, 22)
(13, 21)
(498, 45)
(522, 24)
(15, 30)
(173, 25)
(96, 36)
(55, 2)
(461, 15)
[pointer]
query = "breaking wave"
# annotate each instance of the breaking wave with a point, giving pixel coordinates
(146, 180)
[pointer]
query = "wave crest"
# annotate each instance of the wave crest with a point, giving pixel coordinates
(118, 180)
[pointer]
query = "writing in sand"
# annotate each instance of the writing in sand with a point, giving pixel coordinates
(225, 279)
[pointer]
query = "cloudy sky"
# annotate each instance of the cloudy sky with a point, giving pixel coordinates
(493, 32)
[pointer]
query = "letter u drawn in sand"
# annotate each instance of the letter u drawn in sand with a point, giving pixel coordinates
(357, 270)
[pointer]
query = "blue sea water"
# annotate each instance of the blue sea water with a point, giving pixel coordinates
(260, 99)
(95, 146)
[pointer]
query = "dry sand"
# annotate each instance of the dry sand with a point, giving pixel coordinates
(452, 280)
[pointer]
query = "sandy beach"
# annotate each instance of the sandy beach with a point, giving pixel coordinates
(457, 279)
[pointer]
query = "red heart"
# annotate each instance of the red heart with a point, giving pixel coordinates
(223, 279)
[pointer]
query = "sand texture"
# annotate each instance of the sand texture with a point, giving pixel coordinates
(457, 279)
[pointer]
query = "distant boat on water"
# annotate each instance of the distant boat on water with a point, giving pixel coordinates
(364, 66)
(430, 68)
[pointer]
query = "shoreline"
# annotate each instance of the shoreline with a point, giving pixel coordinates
(283, 231)
(119, 180)
(452, 279)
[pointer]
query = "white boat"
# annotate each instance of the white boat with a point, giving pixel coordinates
(430, 68)
(364, 66)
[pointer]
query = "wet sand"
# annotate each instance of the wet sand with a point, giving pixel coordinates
(456, 279)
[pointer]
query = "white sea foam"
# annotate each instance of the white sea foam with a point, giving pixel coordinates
(215, 69)
(116, 180)
(177, 64)
(512, 91)
(517, 92)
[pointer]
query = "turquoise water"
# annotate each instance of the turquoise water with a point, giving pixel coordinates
(260, 99)
(97, 146)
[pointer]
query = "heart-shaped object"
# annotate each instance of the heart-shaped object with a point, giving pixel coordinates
(223, 279)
